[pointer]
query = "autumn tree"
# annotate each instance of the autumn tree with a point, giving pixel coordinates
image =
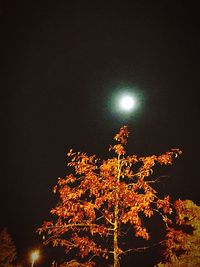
(100, 198)
(182, 244)
(7, 249)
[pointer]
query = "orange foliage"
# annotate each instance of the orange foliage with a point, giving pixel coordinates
(101, 197)
(182, 244)
(7, 249)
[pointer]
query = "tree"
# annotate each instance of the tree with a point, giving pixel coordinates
(7, 249)
(102, 198)
(182, 244)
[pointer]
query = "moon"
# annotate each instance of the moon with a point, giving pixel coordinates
(124, 102)
(127, 103)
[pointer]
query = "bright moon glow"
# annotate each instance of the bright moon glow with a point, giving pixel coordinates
(127, 103)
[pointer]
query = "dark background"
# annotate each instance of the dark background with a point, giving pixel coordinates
(62, 64)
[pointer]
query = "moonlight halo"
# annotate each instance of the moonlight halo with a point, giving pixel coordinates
(127, 103)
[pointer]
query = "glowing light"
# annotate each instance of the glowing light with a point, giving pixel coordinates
(127, 103)
(34, 257)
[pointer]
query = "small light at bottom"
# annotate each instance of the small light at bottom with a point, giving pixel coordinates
(34, 256)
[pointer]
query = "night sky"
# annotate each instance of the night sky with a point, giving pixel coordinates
(62, 64)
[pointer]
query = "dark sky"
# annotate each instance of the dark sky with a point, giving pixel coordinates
(62, 64)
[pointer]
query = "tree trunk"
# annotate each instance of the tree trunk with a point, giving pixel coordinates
(116, 221)
(116, 260)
